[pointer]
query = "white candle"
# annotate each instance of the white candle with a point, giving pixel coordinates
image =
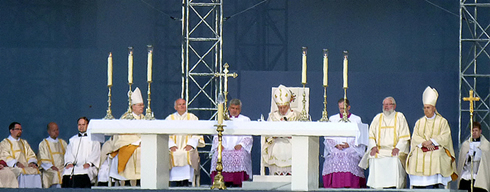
(325, 67)
(303, 74)
(150, 64)
(109, 70)
(130, 67)
(220, 114)
(345, 69)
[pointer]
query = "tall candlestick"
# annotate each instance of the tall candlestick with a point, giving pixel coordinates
(325, 67)
(150, 62)
(109, 70)
(346, 55)
(303, 74)
(130, 65)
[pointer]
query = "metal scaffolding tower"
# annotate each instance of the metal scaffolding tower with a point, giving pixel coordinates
(474, 63)
(202, 26)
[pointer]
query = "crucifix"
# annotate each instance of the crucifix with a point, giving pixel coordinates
(471, 99)
(226, 74)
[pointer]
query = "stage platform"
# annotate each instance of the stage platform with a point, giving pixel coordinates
(207, 188)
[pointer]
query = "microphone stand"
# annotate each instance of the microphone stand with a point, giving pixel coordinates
(75, 163)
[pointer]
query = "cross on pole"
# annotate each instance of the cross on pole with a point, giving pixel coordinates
(226, 74)
(471, 99)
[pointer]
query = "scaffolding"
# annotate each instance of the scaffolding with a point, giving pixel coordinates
(474, 63)
(202, 28)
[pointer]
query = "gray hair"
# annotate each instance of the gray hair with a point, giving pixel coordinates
(236, 102)
(391, 98)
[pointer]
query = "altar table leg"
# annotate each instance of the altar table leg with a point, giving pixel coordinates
(305, 151)
(154, 162)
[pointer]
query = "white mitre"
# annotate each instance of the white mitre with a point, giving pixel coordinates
(282, 95)
(136, 97)
(430, 96)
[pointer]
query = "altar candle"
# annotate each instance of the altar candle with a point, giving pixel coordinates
(130, 66)
(303, 74)
(150, 62)
(345, 68)
(220, 114)
(325, 67)
(109, 70)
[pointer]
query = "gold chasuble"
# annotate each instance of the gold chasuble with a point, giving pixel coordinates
(20, 151)
(52, 154)
(440, 161)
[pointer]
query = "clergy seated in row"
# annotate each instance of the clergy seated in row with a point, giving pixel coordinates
(388, 147)
(184, 157)
(342, 156)
(7, 177)
(431, 161)
(236, 152)
(51, 157)
(126, 149)
(20, 158)
(81, 159)
(276, 152)
(477, 152)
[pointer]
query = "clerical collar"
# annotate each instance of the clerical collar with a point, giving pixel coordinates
(82, 134)
(476, 140)
(433, 116)
(231, 116)
(348, 116)
(52, 140)
(13, 139)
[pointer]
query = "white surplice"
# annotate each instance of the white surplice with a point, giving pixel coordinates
(79, 151)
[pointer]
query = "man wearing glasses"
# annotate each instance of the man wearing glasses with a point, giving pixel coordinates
(389, 140)
(19, 156)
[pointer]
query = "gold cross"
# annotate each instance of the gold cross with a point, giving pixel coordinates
(471, 99)
(226, 75)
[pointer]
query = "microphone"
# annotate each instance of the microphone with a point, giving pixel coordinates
(285, 119)
(75, 161)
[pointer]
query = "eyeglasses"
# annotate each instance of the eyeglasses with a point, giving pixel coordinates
(17, 129)
(388, 104)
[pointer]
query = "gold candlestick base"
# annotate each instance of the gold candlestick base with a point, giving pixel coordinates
(109, 101)
(219, 182)
(324, 113)
(304, 116)
(149, 115)
(344, 114)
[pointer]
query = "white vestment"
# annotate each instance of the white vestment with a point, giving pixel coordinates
(184, 163)
(356, 150)
(51, 153)
(15, 151)
(79, 151)
(480, 152)
(276, 152)
(387, 132)
(234, 160)
(8, 178)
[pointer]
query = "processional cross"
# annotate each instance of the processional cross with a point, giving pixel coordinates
(226, 74)
(471, 99)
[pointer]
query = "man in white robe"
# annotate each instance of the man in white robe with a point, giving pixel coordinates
(431, 161)
(82, 159)
(184, 157)
(276, 152)
(20, 158)
(237, 158)
(7, 177)
(389, 141)
(51, 156)
(126, 149)
(478, 151)
(342, 155)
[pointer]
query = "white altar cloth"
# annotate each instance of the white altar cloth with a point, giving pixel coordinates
(154, 134)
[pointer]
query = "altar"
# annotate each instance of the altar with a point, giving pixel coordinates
(154, 143)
